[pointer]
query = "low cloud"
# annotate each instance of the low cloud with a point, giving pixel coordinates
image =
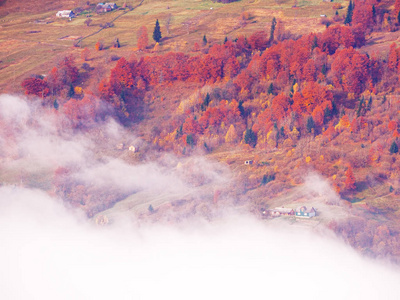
(48, 252)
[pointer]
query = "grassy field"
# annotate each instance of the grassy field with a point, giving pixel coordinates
(28, 47)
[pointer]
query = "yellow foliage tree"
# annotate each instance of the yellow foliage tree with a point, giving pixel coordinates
(343, 123)
(231, 136)
(294, 134)
(156, 47)
(295, 88)
(78, 90)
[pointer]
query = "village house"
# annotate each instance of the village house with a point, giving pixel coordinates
(65, 14)
(280, 211)
(106, 7)
(120, 146)
(248, 162)
(304, 212)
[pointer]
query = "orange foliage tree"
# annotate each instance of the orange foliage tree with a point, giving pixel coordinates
(143, 38)
(350, 179)
(99, 45)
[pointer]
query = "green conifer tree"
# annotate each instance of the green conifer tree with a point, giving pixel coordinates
(394, 148)
(204, 40)
(250, 137)
(271, 89)
(310, 124)
(157, 32)
(349, 14)
(273, 25)
(71, 91)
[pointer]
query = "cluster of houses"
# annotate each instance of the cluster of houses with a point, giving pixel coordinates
(122, 146)
(105, 7)
(100, 8)
(300, 212)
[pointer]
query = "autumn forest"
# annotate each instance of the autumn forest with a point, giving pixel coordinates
(325, 101)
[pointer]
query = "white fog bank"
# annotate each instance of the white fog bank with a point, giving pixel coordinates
(48, 252)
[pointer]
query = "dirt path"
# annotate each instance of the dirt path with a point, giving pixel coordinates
(112, 21)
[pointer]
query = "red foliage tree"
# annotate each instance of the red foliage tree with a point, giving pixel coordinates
(280, 106)
(54, 81)
(318, 116)
(242, 45)
(122, 77)
(231, 68)
(244, 80)
(309, 71)
(35, 86)
(359, 33)
(68, 71)
(191, 126)
(82, 113)
(258, 40)
(350, 70)
(334, 36)
(363, 15)
(393, 57)
(105, 90)
(210, 69)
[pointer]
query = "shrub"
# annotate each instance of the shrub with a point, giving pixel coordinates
(394, 148)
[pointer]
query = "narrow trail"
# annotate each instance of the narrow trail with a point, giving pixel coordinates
(112, 21)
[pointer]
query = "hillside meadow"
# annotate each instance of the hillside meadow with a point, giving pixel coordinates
(30, 47)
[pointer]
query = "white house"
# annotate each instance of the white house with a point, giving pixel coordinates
(304, 212)
(65, 14)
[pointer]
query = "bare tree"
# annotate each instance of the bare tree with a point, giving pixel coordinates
(189, 25)
(88, 21)
(168, 23)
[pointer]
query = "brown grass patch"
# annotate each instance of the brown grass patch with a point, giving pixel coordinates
(70, 38)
